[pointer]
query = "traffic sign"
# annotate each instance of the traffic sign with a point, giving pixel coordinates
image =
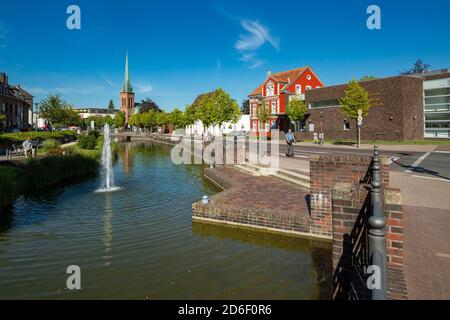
(360, 119)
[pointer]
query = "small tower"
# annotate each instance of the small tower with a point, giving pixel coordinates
(127, 95)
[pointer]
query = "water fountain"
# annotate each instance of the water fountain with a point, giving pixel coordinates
(107, 171)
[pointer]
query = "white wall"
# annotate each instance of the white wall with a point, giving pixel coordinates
(242, 125)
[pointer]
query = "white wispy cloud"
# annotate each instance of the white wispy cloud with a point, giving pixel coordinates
(144, 87)
(110, 82)
(257, 35)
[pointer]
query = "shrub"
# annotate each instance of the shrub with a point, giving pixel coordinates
(9, 183)
(19, 137)
(50, 145)
(88, 141)
(51, 170)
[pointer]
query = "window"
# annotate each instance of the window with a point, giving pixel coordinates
(298, 89)
(325, 104)
(308, 87)
(273, 106)
(308, 77)
(270, 89)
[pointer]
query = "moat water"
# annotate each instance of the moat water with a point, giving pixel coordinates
(141, 243)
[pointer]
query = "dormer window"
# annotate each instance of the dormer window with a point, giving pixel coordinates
(270, 89)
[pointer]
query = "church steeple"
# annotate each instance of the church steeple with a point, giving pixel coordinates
(127, 83)
(127, 95)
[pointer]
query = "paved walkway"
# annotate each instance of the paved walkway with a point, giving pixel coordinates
(381, 147)
(426, 206)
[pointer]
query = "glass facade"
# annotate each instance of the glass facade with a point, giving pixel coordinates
(437, 108)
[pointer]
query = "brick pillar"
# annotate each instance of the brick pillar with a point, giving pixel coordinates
(392, 206)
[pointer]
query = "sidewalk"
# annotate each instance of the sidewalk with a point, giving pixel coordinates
(426, 206)
(381, 147)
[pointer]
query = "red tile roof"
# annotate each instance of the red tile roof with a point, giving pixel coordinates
(283, 77)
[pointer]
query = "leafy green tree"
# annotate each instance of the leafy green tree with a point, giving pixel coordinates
(162, 119)
(227, 108)
(419, 67)
(111, 105)
(177, 118)
(57, 112)
(148, 119)
(191, 114)
(119, 119)
(296, 110)
(263, 114)
(356, 98)
(108, 120)
(207, 111)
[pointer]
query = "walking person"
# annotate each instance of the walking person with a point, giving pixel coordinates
(290, 139)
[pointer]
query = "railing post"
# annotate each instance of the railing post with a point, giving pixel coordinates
(377, 232)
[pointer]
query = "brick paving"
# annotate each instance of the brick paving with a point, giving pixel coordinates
(426, 206)
(275, 204)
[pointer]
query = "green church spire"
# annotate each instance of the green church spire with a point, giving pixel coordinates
(127, 83)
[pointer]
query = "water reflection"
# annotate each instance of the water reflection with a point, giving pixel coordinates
(140, 242)
(107, 227)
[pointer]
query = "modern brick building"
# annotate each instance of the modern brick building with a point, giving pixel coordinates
(16, 104)
(275, 92)
(127, 95)
(437, 103)
(398, 116)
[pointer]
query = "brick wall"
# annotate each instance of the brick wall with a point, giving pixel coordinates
(325, 173)
(398, 116)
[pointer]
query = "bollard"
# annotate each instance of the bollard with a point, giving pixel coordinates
(377, 232)
(205, 199)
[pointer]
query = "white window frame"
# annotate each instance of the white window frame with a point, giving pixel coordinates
(298, 89)
(270, 89)
(273, 106)
(308, 88)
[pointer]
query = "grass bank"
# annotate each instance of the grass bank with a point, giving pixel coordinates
(34, 174)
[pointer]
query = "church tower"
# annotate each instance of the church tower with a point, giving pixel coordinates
(127, 95)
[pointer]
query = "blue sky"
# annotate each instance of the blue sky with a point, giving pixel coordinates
(178, 49)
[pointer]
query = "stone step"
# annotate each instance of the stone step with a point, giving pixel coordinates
(298, 179)
(248, 169)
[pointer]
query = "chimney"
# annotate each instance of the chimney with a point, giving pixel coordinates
(269, 73)
(289, 80)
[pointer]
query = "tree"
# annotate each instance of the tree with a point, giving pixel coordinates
(263, 114)
(296, 110)
(177, 119)
(366, 78)
(356, 98)
(162, 119)
(111, 105)
(147, 105)
(191, 114)
(57, 112)
(227, 108)
(207, 111)
(119, 119)
(108, 120)
(419, 67)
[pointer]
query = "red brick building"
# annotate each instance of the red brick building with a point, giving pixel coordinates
(127, 95)
(275, 92)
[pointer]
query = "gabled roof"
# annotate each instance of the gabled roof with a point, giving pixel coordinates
(284, 77)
